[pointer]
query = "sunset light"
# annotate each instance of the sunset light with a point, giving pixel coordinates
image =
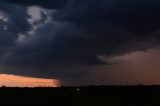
(14, 81)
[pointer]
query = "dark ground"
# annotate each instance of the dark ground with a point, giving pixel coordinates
(83, 96)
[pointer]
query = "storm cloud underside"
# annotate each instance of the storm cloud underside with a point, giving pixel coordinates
(67, 38)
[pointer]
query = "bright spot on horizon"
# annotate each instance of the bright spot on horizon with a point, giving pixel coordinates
(19, 81)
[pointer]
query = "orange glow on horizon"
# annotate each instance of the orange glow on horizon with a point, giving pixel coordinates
(19, 81)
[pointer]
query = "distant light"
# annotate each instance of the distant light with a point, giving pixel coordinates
(78, 89)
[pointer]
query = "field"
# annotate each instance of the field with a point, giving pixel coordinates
(91, 95)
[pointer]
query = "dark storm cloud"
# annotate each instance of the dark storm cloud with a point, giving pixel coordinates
(114, 26)
(77, 32)
(52, 4)
(104, 27)
(13, 22)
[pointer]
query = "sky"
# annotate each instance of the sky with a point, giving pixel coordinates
(80, 42)
(19, 81)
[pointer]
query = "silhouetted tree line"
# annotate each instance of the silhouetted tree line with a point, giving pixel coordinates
(82, 95)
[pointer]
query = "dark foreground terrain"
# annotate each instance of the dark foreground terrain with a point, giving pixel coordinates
(91, 96)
